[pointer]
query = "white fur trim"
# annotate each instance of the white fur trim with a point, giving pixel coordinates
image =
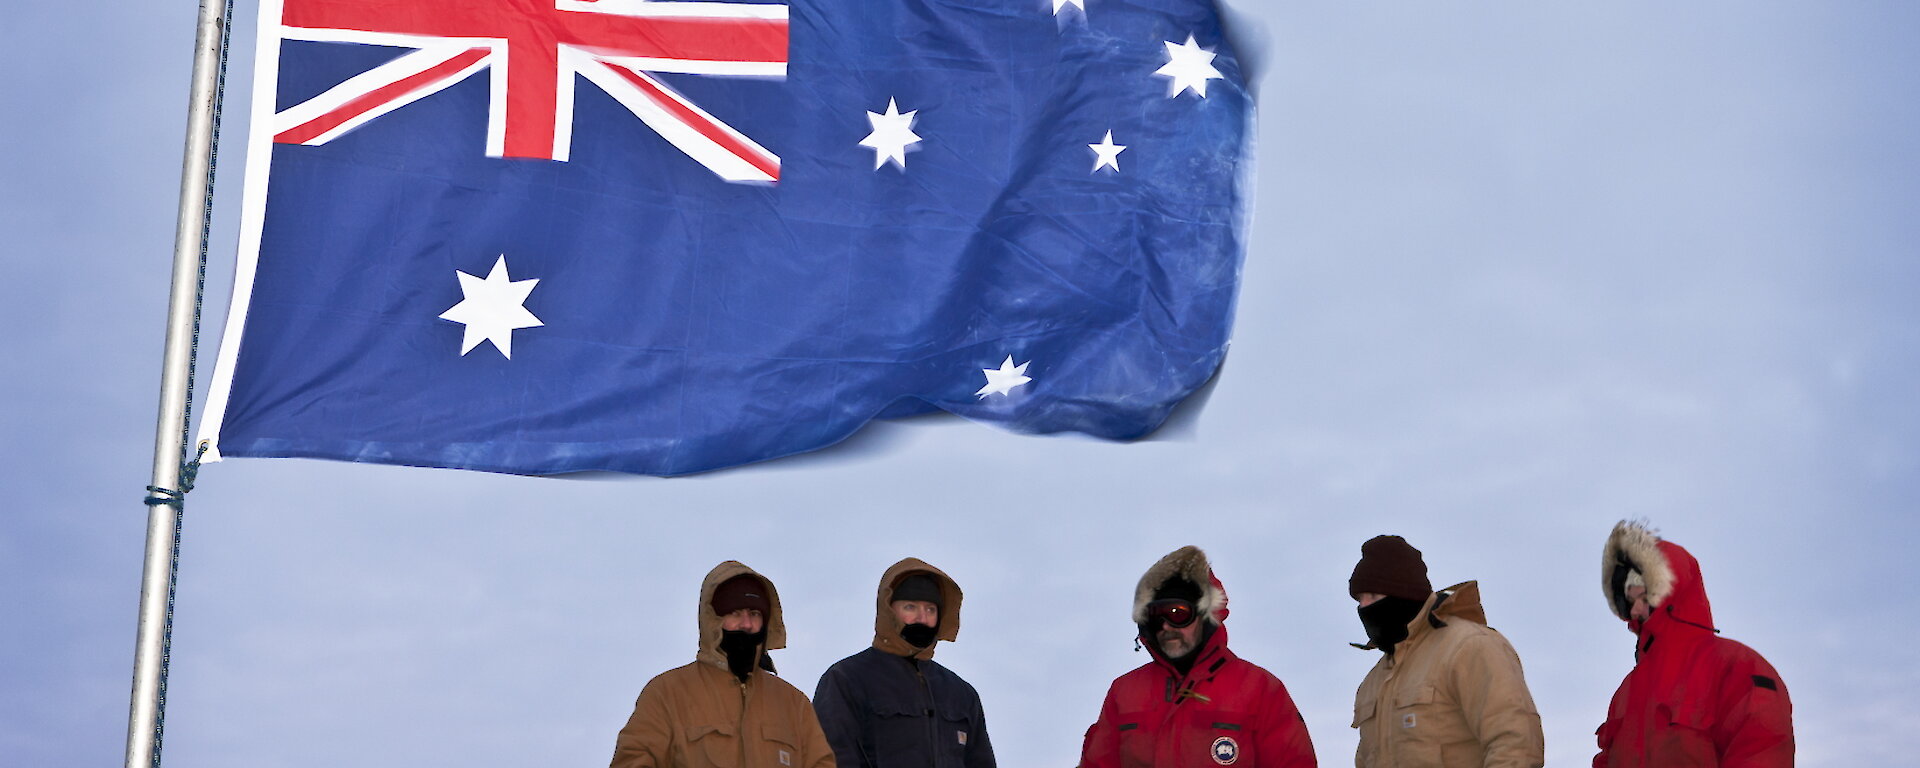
(1191, 564)
(1639, 544)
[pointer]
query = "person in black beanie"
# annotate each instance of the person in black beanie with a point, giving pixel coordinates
(1446, 686)
(892, 704)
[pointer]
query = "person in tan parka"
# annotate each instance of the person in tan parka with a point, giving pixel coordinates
(726, 709)
(1447, 691)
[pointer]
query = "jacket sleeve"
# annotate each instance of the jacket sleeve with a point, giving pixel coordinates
(644, 741)
(839, 719)
(1487, 682)
(979, 746)
(1283, 733)
(1101, 749)
(815, 751)
(1605, 734)
(1754, 726)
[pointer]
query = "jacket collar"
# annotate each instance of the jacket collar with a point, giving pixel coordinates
(1460, 601)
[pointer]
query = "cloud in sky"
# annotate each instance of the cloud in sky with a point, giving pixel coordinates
(1516, 271)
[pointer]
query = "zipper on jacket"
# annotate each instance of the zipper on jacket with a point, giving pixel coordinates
(933, 722)
(740, 728)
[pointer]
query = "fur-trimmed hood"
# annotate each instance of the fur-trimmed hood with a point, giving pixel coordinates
(1670, 573)
(710, 622)
(1191, 564)
(886, 626)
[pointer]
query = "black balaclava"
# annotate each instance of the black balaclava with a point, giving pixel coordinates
(742, 650)
(918, 635)
(1386, 620)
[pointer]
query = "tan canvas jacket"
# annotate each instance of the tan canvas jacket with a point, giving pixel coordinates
(1451, 695)
(701, 716)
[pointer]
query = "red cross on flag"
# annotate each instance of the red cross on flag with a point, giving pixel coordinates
(535, 51)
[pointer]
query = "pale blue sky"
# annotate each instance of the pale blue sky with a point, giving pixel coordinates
(1517, 270)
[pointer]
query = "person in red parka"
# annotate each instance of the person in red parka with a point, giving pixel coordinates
(1693, 699)
(1196, 703)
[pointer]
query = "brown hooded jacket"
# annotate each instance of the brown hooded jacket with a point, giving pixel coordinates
(701, 716)
(1451, 695)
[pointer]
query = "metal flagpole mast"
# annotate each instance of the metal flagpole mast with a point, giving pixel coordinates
(145, 714)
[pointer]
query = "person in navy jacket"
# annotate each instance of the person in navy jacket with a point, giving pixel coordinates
(892, 704)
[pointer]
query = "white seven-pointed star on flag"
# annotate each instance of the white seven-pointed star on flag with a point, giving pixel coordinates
(1190, 66)
(1107, 153)
(1004, 379)
(493, 309)
(892, 132)
(1059, 4)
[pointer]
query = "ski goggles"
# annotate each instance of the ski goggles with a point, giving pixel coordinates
(1172, 611)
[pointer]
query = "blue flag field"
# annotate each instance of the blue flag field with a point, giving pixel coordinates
(669, 237)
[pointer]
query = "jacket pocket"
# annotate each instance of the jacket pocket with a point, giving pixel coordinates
(1414, 731)
(778, 747)
(902, 735)
(956, 731)
(1365, 704)
(1685, 740)
(716, 745)
(1137, 738)
(1218, 738)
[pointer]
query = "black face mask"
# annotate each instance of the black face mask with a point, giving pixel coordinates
(1387, 618)
(742, 650)
(918, 635)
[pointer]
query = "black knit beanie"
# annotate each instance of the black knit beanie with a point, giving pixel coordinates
(918, 586)
(1390, 566)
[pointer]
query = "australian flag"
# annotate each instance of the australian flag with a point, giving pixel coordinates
(544, 236)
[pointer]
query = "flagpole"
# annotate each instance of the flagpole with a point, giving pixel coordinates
(145, 717)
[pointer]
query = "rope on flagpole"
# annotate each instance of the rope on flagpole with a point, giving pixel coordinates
(189, 470)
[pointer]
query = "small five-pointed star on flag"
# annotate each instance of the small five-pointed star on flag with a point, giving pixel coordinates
(1059, 4)
(1190, 66)
(1003, 380)
(493, 309)
(1107, 153)
(892, 132)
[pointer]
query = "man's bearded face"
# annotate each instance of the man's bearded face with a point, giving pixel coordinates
(1175, 642)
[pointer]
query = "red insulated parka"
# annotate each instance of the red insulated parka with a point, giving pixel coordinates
(1224, 711)
(1693, 699)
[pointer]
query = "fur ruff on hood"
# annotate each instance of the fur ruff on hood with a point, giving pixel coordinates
(886, 626)
(1635, 545)
(1675, 588)
(710, 622)
(1191, 564)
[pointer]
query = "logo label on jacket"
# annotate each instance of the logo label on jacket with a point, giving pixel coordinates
(1226, 750)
